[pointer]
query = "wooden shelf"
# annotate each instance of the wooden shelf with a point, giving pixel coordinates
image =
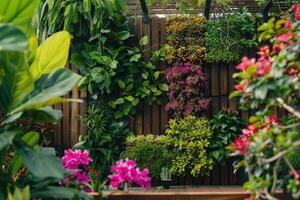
(186, 193)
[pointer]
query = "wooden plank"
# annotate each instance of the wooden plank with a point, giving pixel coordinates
(57, 128)
(66, 124)
(75, 113)
(163, 40)
(223, 79)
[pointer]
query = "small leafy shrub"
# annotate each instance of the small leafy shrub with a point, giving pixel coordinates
(186, 90)
(226, 38)
(186, 40)
(128, 172)
(190, 140)
(106, 138)
(226, 126)
(152, 152)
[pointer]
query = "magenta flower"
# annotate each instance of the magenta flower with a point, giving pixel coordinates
(77, 161)
(127, 171)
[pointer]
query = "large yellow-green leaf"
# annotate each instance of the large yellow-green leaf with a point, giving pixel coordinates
(51, 55)
(18, 12)
(12, 38)
(48, 90)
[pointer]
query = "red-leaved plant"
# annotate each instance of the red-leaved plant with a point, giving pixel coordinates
(186, 90)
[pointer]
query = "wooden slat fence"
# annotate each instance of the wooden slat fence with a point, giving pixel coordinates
(153, 119)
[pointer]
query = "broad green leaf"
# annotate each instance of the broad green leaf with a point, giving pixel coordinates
(124, 35)
(47, 114)
(23, 85)
(119, 101)
(135, 57)
(51, 55)
(12, 38)
(41, 165)
(163, 87)
(18, 12)
(6, 138)
(156, 75)
(17, 83)
(30, 139)
(144, 41)
(58, 192)
(235, 94)
(48, 89)
(121, 84)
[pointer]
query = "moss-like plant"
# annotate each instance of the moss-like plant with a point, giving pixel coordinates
(150, 152)
(226, 38)
(186, 39)
(190, 137)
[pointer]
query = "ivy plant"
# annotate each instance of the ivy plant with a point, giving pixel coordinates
(226, 126)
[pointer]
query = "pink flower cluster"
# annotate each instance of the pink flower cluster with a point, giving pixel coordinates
(127, 171)
(187, 83)
(242, 143)
(78, 162)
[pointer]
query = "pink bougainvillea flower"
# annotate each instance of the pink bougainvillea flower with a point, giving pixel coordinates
(264, 52)
(241, 144)
(285, 37)
(250, 130)
(288, 25)
(246, 62)
(263, 67)
(241, 86)
(292, 71)
(296, 174)
(296, 8)
(278, 47)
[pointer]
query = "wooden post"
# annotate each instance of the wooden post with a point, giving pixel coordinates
(145, 11)
(265, 10)
(207, 9)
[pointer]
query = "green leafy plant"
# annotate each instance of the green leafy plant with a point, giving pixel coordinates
(191, 138)
(32, 80)
(115, 73)
(106, 138)
(226, 126)
(226, 38)
(152, 152)
(186, 42)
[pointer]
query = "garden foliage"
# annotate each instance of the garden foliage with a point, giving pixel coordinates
(32, 79)
(185, 35)
(183, 149)
(116, 76)
(227, 37)
(187, 84)
(268, 83)
(226, 126)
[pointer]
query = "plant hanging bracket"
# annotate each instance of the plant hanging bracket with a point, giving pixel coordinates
(266, 8)
(145, 11)
(207, 9)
